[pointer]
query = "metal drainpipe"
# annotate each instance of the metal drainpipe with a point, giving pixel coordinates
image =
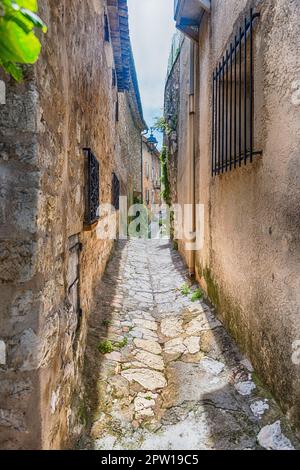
(192, 150)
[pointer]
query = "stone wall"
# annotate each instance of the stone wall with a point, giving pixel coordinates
(171, 114)
(67, 102)
(249, 264)
(130, 137)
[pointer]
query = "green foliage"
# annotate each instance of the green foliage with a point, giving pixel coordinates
(166, 193)
(105, 347)
(138, 225)
(121, 344)
(197, 295)
(161, 125)
(18, 43)
(164, 126)
(185, 289)
(137, 199)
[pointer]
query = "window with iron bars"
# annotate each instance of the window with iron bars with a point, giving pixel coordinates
(233, 103)
(115, 192)
(92, 188)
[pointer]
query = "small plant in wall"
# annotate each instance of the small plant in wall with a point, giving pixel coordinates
(161, 125)
(18, 42)
(185, 290)
(166, 192)
(107, 347)
(197, 295)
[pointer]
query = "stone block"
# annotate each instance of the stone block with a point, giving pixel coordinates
(20, 111)
(12, 419)
(22, 304)
(2, 353)
(2, 92)
(16, 260)
(11, 389)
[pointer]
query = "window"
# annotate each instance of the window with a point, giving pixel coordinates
(147, 196)
(73, 277)
(106, 29)
(115, 192)
(114, 78)
(147, 170)
(92, 188)
(233, 104)
(117, 110)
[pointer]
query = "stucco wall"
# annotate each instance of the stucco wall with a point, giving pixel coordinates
(184, 185)
(250, 262)
(66, 102)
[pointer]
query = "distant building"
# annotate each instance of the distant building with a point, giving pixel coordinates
(151, 175)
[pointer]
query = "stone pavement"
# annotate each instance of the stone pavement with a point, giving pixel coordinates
(161, 371)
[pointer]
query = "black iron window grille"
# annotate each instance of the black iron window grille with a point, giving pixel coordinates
(115, 192)
(93, 191)
(233, 103)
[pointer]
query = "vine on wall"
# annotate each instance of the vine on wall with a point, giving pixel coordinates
(166, 193)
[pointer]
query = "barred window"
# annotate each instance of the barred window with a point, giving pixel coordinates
(115, 191)
(92, 188)
(233, 104)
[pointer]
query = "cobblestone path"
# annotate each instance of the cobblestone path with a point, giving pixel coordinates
(174, 379)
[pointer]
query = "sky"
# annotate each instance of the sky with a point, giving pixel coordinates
(151, 31)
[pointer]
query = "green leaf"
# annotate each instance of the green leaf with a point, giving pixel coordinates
(20, 21)
(13, 70)
(16, 45)
(35, 19)
(29, 4)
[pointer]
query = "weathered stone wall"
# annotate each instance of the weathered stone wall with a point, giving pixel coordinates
(250, 264)
(171, 114)
(130, 138)
(67, 102)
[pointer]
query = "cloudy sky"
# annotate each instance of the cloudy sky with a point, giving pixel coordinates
(151, 30)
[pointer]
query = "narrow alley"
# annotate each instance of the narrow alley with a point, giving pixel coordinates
(149, 227)
(162, 372)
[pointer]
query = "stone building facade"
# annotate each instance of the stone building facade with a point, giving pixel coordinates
(151, 175)
(249, 263)
(171, 112)
(82, 94)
